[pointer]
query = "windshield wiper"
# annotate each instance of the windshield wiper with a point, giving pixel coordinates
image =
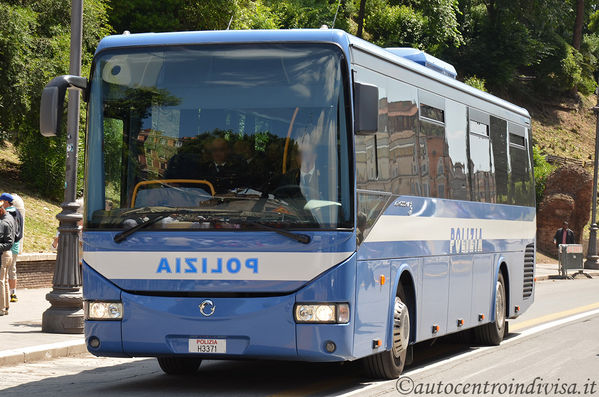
(300, 237)
(120, 237)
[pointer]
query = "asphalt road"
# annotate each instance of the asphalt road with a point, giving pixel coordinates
(553, 349)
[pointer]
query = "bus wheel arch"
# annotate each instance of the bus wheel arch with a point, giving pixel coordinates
(389, 364)
(492, 333)
(407, 283)
(506, 279)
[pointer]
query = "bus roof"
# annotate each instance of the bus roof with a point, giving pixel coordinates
(344, 39)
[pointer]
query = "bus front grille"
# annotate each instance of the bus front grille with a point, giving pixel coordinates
(529, 267)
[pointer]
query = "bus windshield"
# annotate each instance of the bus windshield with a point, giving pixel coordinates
(219, 136)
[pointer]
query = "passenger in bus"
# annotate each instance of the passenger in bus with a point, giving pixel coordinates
(252, 167)
(221, 171)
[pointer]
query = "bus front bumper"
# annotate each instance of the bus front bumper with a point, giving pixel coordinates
(253, 327)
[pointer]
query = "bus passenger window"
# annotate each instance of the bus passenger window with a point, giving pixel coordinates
(455, 133)
(520, 188)
(499, 145)
(481, 166)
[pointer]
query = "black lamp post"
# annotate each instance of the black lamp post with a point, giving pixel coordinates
(65, 314)
(592, 261)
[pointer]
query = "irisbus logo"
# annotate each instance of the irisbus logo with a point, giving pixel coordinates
(207, 266)
(465, 240)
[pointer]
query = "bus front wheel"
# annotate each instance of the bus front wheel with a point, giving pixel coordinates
(389, 364)
(492, 333)
(179, 365)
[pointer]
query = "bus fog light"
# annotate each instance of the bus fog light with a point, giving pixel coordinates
(330, 346)
(103, 310)
(322, 313)
(94, 342)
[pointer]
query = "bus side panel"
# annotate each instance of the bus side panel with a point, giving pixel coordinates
(460, 293)
(372, 305)
(483, 290)
(434, 297)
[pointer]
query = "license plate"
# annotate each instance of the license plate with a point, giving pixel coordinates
(207, 345)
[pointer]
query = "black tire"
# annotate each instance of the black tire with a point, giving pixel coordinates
(179, 365)
(390, 363)
(492, 333)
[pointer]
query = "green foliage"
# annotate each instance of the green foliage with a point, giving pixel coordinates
(34, 48)
(542, 169)
(428, 24)
(476, 82)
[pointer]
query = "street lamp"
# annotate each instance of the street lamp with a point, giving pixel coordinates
(592, 261)
(65, 314)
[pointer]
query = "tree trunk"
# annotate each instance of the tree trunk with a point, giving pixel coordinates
(577, 39)
(361, 17)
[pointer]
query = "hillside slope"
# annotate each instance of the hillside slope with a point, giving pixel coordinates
(566, 129)
(40, 216)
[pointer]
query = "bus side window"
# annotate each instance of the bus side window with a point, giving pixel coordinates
(456, 125)
(520, 189)
(482, 172)
(434, 153)
(499, 145)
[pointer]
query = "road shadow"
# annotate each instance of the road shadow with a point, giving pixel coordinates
(247, 378)
(144, 377)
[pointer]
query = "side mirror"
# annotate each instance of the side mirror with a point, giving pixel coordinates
(366, 108)
(52, 103)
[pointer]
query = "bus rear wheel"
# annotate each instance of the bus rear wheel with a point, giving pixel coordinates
(179, 365)
(389, 364)
(492, 333)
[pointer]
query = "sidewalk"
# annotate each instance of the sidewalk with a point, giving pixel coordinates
(21, 337)
(22, 340)
(546, 271)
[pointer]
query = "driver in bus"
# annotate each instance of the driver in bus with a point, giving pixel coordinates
(309, 174)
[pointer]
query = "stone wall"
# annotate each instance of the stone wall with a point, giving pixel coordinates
(567, 197)
(35, 270)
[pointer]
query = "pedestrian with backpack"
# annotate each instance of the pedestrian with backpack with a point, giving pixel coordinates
(7, 239)
(11, 205)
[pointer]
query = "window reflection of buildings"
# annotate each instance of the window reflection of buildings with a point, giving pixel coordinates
(396, 151)
(155, 150)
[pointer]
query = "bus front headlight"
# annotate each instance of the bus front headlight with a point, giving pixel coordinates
(328, 313)
(103, 310)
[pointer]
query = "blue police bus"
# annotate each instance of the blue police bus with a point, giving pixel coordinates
(297, 195)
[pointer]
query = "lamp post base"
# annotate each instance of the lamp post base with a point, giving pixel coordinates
(592, 262)
(65, 316)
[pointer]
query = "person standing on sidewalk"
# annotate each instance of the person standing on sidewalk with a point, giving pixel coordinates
(563, 235)
(9, 201)
(7, 239)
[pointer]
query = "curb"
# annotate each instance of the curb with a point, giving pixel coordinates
(42, 352)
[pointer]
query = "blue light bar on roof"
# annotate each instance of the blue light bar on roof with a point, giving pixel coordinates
(424, 59)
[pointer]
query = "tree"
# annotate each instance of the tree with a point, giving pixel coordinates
(577, 38)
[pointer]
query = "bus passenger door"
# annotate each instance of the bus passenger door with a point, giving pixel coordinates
(435, 292)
